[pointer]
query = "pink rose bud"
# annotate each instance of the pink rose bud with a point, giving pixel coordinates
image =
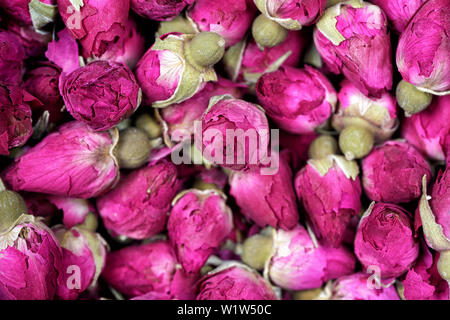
(148, 268)
(159, 10)
(385, 240)
(42, 82)
(292, 14)
(129, 49)
(12, 55)
(177, 66)
(352, 38)
(399, 12)
(83, 164)
(234, 281)
(228, 116)
(74, 210)
(231, 18)
(423, 49)
(299, 263)
(97, 24)
(298, 100)
(63, 52)
(36, 12)
(199, 223)
(268, 200)
(84, 256)
(178, 119)
(423, 282)
(428, 129)
(101, 94)
(359, 286)
(393, 172)
(31, 261)
(379, 116)
(434, 212)
(330, 191)
(138, 206)
(15, 117)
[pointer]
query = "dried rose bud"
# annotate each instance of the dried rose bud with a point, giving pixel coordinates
(177, 66)
(137, 208)
(247, 62)
(142, 269)
(268, 200)
(434, 212)
(82, 163)
(12, 55)
(292, 14)
(358, 286)
(378, 116)
(133, 148)
(423, 282)
(34, 252)
(399, 12)
(298, 263)
(385, 239)
(422, 53)
(42, 82)
(323, 146)
(267, 32)
(63, 52)
(230, 18)
(298, 100)
(234, 281)
(353, 38)
(428, 129)
(242, 118)
(198, 224)
(149, 125)
(178, 118)
(393, 172)
(75, 211)
(159, 10)
(84, 253)
(330, 191)
(15, 117)
(101, 94)
(97, 24)
(36, 12)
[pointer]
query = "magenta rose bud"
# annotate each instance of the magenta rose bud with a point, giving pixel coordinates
(82, 163)
(298, 100)
(423, 49)
(101, 94)
(159, 10)
(234, 281)
(74, 210)
(138, 206)
(299, 263)
(97, 24)
(359, 286)
(148, 268)
(15, 117)
(385, 240)
(399, 12)
(393, 172)
(178, 119)
(292, 14)
(84, 254)
(330, 191)
(199, 223)
(30, 263)
(268, 200)
(12, 55)
(352, 38)
(428, 129)
(379, 116)
(231, 18)
(227, 116)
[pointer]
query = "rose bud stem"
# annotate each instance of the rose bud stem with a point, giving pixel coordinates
(133, 148)
(323, 146)
(268, 33)
(149, 125)
(205, 49)
(355, 142)
(12, 207)
(411, 99)
(443, 265)
(256, 250)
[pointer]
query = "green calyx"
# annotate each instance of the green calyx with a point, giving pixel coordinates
(268, 33)
(410, 99)
(205, 49)
(12, 208)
